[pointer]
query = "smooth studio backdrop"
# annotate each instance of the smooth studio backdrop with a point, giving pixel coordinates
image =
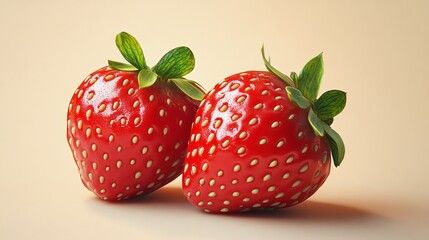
(376, 51)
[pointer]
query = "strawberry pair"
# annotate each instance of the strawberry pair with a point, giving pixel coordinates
(257, 140)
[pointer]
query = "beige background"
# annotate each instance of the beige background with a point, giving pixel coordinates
(377, 51)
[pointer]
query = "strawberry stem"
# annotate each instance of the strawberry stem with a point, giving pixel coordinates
(175, 64)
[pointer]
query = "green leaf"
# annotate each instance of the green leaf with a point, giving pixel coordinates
(131, 50)
(330, 104)
(176, 63)
(121, 66)
(275, 71)
(202, 89)
(316, 123)
(146, 78)
(296, 97)
(189, 88)
(336, 143)
(294, 77)
(329, 121)
(310, 77)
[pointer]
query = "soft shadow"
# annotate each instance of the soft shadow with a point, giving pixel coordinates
(315, 211)
(172, 197)
(164, 195)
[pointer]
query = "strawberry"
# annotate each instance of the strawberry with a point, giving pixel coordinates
(262, 140)
(128, 124)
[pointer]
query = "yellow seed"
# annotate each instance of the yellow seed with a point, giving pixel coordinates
(161, 113)
(235, 117)
(205, 123)
(149, 164)
(136, 103)
(90, 96)
(88, 132)
(258, 106)
(267, 177)
(241, 99)
(115, 105)
(296, 183)
(197, 119)
(212, 149)
(109, 77)
(273, 163)
(102, 107)
(304, 168)
(211, 137)
(204, 167)
(275, 124)
(235, 86)
(144, 150)
(241, 150)
(253, 121)
(243, 135)
(225, 143)
(218, 123)
(208, 107)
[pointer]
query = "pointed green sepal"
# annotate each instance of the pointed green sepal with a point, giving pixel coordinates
(121, 66)
(330, 104)
(146, 78)
(316, 123)
(294, 77)
(310, 78)
(297, 98)
(176, 63)
(279, 74)
(189, 88)
(336, 143)
(131, 50)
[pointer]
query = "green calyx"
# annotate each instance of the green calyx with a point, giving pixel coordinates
(303, 90)
(171, 68)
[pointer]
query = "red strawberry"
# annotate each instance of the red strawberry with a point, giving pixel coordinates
(128, 125)
(261, 140)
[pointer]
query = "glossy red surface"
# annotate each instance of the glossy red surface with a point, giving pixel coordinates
(252, 148)
(127, 141)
